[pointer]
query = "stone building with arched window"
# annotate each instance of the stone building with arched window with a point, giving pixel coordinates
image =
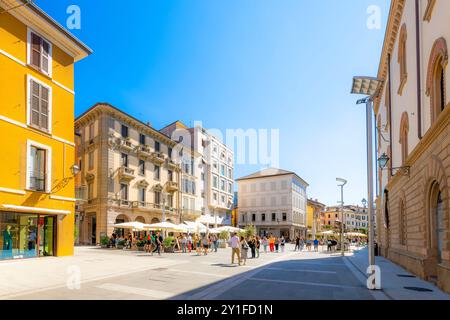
(413, 117)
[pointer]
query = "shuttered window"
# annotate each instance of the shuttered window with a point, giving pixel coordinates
(40, 53)
(40, 101)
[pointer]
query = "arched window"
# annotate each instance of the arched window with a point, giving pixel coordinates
(436, 81)
(404, 130)
(402, 226)
(402, 58)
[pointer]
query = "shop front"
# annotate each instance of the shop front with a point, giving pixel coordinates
(27, 235)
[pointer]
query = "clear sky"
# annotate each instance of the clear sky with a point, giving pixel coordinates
(249, 64)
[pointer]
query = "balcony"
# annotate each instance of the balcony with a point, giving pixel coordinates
(157, 158)
(126, 173)
(81, 193)
(190, 213)
(125, 144)
(171, 186)
(143, 151)
(171, 165)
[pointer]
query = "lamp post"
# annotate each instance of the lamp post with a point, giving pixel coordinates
(343, 182)
(370, 87)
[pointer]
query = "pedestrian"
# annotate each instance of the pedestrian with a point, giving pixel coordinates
(205, 243)
(252, 245)
(297, 243)
(215, 242)
(316, 245)
(277, 244)
(272, 243)
(265, 243)
(282, 243)
(158, 242)
(235, 248)
(257, 246)
(244, 250)
(189, 242)
(329, 244)
(183, 243)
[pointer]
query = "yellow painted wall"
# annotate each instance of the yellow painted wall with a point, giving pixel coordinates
(13, 144)
(309, 216)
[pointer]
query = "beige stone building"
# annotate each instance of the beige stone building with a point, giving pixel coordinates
(413, 119)
(274, 202)
(128, 173)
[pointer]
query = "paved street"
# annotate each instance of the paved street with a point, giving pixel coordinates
(118, 274)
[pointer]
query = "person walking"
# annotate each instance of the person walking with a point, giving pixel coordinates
(235, 248)
(316, 245)
(302, 244)
(244, 250)
(282, 243)
(214, 241)
(158, 242)
(277, 244)
(297, 243)
(189, 243)
(271, 243)
(183, 243)
(252, 245)
(265, 243)
(257, 246)
(205, 244)
(329, 245)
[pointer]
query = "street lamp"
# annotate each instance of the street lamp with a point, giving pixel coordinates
(342, 182)
(370, 87)
(384, 159)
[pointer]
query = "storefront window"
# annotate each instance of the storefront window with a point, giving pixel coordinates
(25, 235)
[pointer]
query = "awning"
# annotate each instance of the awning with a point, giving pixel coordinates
(35, 209)
(210, 219)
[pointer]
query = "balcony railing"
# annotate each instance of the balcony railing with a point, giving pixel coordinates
(143, 151)
(126, 173)
(172, 186)
(171, 165)
(157, 157)
(125, 144)
(37, 180)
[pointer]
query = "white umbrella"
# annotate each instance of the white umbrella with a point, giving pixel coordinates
(229, 229)
(130, 225)
(162, 226)
(214, 231)
(355, 234)
(329, 232)
(196, 227)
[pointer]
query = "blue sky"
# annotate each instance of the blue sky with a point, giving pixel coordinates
(249, 64)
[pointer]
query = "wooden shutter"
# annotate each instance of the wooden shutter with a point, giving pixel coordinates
(35, 50)
(45, 56)
(35, 103)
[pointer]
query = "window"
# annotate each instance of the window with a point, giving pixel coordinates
(142, 139)
(91, 160)
(39, 107)
(123, 191)
(230, 187)
(157, 172)
(215, 182)
(39, 53)
(91, 132)
(436, 78)
(170, 200)
(203, 176)
(142, 167)
(38, 169)
(404, 130)
(90, 189)
(142, 195)
(230, 174)
(274, 216)
(157, 197)
(263, 217)
(124, 131)
(157, 146)
(284, 216)
(215, 196)
(170, 153)
(222, 185)
(170, 175)
(124, 160)
(253, 217)
(222, 169)
(222, 198)
(402, 58)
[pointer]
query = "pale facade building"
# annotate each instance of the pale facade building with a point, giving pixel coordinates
(214, 168)
(274, 201)
(127, 173)
(413, 119)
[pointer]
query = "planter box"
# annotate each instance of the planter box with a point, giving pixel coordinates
(120, 247)
(169, 250)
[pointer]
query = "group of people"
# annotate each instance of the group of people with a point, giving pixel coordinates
(153, 241)
(240, 246)
(200, 243)
(309, 244)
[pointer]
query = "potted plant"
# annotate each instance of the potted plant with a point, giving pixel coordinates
(104, 241)
(224, 236)
(121, 244)
(140, 245)
(168, 244)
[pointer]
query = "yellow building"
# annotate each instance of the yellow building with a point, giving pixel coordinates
(37, 57)
(314, 211)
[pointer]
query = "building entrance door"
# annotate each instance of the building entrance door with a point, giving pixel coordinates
(46, 236)
(94, 230)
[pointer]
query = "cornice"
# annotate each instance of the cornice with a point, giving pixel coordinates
(392, 30)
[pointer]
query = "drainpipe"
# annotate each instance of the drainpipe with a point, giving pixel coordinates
(390, 113)
(419, 76)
